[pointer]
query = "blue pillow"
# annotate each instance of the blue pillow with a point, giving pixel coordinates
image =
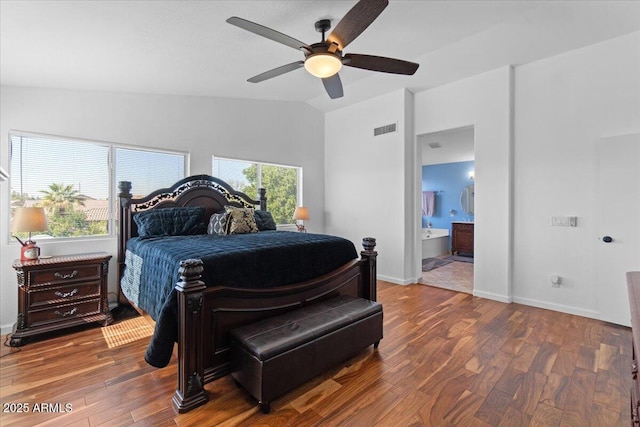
(264, 220)
(182, 221)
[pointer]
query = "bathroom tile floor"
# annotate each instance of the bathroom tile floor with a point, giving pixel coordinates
(456, 276)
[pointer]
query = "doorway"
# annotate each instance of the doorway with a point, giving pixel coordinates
(447, 173)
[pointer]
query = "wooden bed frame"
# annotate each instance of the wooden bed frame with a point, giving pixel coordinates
(206, 314)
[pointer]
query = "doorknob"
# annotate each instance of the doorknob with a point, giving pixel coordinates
(607, 239)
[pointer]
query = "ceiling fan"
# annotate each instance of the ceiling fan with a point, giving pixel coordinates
(325, 59)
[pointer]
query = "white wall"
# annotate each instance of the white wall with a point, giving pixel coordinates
(278, 132)
(564, 105)
(483, 101)
(366, 179)
(373, 182)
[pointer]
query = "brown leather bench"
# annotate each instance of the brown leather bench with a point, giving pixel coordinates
(275, 355)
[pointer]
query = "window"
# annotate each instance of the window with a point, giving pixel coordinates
(73, 180)
(148, 170)
(281, 182)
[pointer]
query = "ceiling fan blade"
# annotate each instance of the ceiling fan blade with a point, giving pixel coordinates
(333, 85)
(380, 63)
(356, 21)
(276, 72)
(263, 31)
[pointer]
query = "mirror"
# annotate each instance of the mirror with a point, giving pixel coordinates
(466, 199)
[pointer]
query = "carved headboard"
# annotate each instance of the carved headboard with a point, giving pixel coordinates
(198, 190)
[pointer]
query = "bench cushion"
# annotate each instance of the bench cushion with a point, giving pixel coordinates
(279, 334)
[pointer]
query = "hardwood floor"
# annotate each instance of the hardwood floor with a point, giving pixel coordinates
(447, 359)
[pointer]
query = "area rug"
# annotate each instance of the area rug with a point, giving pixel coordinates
(126, 331)
(460, 258)
(429, 264)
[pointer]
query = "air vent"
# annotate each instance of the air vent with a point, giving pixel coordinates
(384, 129)
(435, 145)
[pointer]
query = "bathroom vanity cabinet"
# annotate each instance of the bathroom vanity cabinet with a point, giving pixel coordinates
(462, 238)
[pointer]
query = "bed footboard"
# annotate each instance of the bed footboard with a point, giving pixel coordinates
(206, 315)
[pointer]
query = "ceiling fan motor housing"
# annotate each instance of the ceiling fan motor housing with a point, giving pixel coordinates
(324, 47)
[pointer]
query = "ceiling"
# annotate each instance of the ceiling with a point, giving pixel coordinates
(187, 48)
(447, 146)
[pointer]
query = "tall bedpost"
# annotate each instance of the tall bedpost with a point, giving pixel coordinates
(190, 392)
(262, 198)
(370, 274)
(124, 232)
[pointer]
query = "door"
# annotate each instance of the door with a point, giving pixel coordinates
(618, 223)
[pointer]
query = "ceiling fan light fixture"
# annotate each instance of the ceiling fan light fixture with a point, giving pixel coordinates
(323, 64)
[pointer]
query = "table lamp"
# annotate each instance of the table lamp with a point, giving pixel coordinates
(300, 214)
(28, 220)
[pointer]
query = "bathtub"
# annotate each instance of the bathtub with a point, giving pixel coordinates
(435, 242)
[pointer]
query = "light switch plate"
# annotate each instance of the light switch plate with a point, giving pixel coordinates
(564, 221)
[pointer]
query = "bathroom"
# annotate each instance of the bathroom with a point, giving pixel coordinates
(447, 188)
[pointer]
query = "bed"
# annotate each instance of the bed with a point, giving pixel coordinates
(200, 297)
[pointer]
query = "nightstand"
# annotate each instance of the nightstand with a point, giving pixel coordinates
(59, 292)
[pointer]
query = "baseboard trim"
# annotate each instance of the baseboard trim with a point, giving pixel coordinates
(592, 314)
(7, 329)
(490, 295)
(396, 281)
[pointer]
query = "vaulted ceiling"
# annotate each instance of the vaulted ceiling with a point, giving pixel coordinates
(187, 48)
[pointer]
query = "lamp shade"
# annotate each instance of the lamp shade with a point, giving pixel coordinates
(301, 213)
(28, 220)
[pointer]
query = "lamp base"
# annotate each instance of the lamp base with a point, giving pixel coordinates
(301, 228)
(29, 251)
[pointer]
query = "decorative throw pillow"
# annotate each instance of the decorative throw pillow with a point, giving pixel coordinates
(179, 221)
(240, 220)
(264, 220)
(218, 223)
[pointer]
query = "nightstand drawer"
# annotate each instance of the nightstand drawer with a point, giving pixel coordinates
(59, 295)
(63, 274)
(63, 312)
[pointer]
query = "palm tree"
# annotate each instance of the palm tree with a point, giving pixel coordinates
(61, 198)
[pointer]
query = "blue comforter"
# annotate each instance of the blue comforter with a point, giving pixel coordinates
(254, 260)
